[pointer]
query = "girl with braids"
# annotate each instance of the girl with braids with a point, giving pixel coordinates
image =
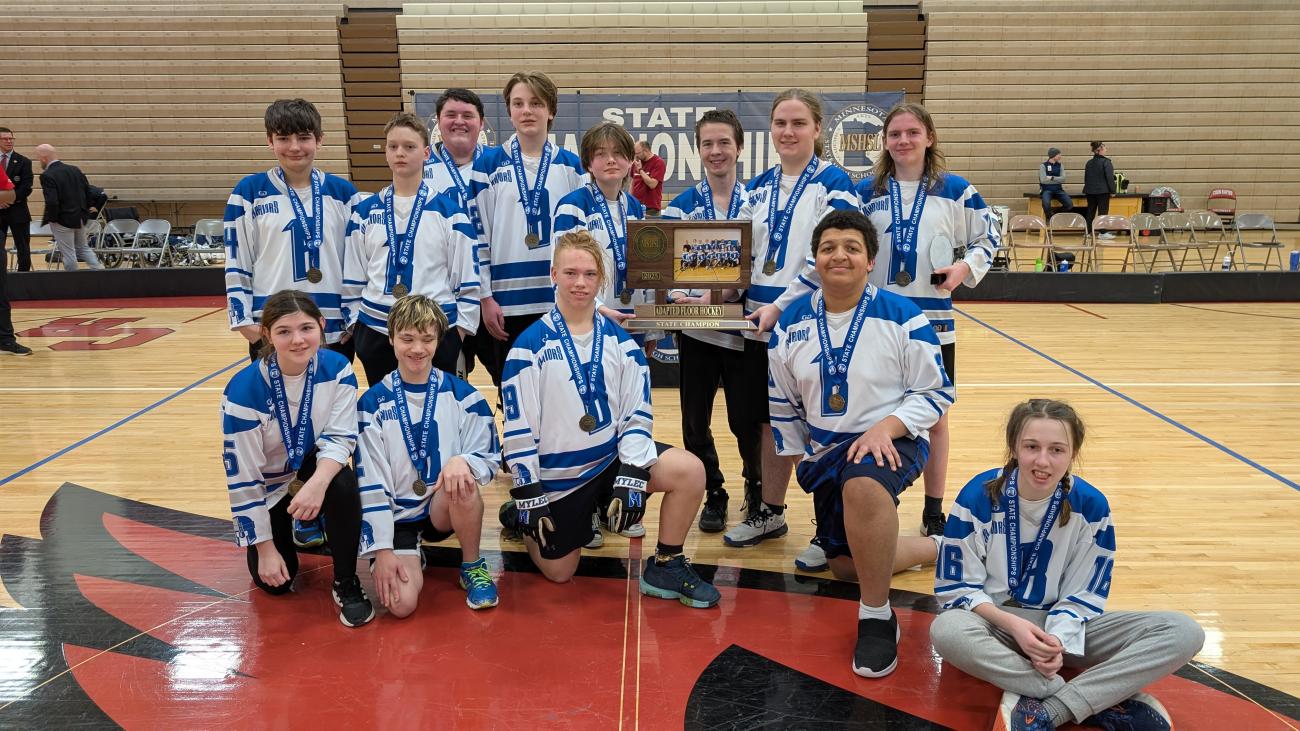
(1023, 576)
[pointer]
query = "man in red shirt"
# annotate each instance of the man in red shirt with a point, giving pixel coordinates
(8, 345)
(648, 178)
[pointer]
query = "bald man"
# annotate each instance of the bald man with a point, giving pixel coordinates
(66, 210)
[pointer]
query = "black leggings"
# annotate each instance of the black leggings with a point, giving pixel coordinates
(342, 511)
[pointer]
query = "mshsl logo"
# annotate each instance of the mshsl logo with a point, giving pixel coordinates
(854, 138)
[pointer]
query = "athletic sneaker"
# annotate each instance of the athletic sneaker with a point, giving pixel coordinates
(813, 558)
(932, 525)
(597, 537)
(713, 517)
(308, 534)
(678, 580)
(1142, 712)
(355, 608)
(598, 523)
(636, 530)
(509, 518)
(876, 654)
(13, 347)
(477, 581)
(757, 528)
(1108, 236)
(1022, 713)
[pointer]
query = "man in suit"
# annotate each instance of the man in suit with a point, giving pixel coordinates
(15, 216)
(8, 344)
(66, 209)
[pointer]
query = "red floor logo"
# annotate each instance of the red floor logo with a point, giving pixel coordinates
(105, 333)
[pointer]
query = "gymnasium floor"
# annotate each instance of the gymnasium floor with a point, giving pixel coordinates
(126, 603)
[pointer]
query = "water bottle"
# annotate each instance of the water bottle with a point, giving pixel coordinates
(1227, 262)
(1295, 260)
(1038, 263)
(1064, 266)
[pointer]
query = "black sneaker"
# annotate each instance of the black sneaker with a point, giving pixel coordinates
(713, 518)
(355, 608)
(509, 518)
(932, 525)
(876, 654)
(13, 347)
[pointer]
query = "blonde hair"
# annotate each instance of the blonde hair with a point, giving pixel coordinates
(808, 99)
(1039, 408)
(541, 85)
(410, 121)
(419, 313)
(582, 241)
(935, 164)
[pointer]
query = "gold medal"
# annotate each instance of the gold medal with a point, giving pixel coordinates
(314, 275)
(587, 423)
(626, 297)
(419, 487)
(837, 402)
(903, 279)
(769, 268)
(400, 290)
(532, 240)
(1012, 603)
(294, 487)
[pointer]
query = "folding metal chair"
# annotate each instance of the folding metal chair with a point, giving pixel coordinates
(1123, 240)
(1209, 231)
(1068, 233)
(1027, 235)
(1248, 225)
(118, 235)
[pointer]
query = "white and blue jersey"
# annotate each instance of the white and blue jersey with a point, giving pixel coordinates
(465, 428)
(579, 211)
(895, 370)
(256, 460)
(516, 276)
(1070, 579)
(693, 205)
(829, 189)
(954, 215)
(541, 438)
(442, 265)
(267, 251)
(439, 180)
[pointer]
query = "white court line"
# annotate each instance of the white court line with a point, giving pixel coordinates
(960, 385)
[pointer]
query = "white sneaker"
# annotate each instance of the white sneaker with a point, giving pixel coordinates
(597, 538)
(813, 558)
(636, 530)
(1108, 236)
(755, 529)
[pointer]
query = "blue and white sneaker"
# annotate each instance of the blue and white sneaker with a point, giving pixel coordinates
(477, 582)
(1142, 712)
(678, 580)
(308, 534)
(1022, 713)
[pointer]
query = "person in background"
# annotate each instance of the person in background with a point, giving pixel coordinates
(648, 178)
(1051, 179)
(1099, 185)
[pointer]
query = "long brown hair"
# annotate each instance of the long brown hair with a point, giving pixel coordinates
(935, 163)
(808, 99)
(1039, 408)
(286, 302)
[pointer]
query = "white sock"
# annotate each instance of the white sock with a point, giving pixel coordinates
(881, 612)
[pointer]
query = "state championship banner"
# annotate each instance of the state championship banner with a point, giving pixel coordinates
(851, 128)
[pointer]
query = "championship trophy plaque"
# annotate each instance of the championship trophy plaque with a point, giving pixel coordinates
(689, 255)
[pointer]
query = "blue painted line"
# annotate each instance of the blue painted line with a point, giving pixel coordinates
(1217, 445)
(111, 427)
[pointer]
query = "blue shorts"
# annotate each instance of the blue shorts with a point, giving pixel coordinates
(825, 479)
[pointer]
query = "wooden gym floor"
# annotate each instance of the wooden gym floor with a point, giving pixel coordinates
(125, 602)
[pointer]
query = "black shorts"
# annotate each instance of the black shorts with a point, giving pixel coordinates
(407, 536)
(950, 360)
(572, 513)
(825, 479)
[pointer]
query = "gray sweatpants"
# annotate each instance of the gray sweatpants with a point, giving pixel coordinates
(72, 245)
(1124, 652)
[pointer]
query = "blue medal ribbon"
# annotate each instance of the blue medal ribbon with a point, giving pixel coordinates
(710, 213)
(778, 220)
(1015, 572)
(836, 370)
(423, 445)
(586, 382)
(462, 189)
(295, 435)
(617, 238)
(531, 199)
(904, 238)
(313, 234)
(401, 248)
